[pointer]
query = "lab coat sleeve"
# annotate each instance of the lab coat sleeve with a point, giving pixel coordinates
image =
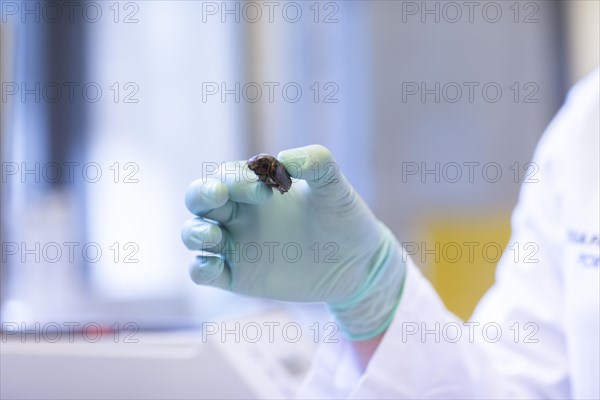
(513, 346)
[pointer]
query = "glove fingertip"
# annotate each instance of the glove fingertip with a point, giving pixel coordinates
(199, 234)
(294, 161)
(210, 271)
(203, 196)
(314, 164)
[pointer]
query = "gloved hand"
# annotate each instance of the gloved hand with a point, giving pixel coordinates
(319, 242)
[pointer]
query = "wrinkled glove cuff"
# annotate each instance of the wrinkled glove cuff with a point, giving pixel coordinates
(372, 309)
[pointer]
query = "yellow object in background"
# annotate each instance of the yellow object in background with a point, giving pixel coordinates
(467, 249)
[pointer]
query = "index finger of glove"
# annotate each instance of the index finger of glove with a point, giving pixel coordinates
(242, 183)
(232, 181)
(203, 196)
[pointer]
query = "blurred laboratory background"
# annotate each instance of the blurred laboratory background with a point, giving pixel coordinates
(110, 109)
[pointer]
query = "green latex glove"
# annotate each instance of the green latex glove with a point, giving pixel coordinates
(319, 242)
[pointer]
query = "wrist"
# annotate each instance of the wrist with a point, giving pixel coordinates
(368, 313)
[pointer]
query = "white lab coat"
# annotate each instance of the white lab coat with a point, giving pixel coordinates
(556, 292)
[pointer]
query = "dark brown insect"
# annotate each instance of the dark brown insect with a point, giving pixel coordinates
(271, 172)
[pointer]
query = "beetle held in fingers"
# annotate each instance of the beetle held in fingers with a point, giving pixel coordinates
(271, 172)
